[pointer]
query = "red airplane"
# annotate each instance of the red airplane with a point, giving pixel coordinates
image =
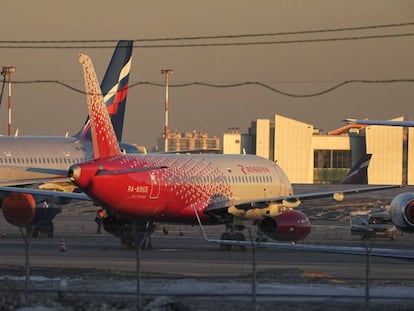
(179, 188)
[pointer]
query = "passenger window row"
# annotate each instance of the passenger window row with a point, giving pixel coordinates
(28, 161)
(228, 179)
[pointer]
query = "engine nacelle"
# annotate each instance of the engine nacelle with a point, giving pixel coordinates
(289, 226)
(21, 209)
(402, 211)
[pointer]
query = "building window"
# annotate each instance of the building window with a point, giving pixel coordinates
(331, 166)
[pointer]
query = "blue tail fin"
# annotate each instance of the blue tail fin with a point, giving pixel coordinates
(114, 88)
(359, 172)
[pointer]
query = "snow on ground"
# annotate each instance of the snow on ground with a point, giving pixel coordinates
(183, 286)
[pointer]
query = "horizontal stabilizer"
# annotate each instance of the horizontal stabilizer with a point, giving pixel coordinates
(42, 170)
(48, 193)
(129, 170)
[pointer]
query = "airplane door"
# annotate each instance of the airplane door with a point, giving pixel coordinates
(155, 186)
(280, 182)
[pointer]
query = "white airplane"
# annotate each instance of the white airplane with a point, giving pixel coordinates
(402, 206)
(180, 188)
(59, 152)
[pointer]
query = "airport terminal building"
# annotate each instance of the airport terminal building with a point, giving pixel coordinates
(309, 156)
(183, 142)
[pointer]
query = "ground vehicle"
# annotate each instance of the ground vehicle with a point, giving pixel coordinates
(373, 225)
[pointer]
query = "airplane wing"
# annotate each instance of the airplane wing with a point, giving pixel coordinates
(336, 249)
(292, 200)
(381, 122)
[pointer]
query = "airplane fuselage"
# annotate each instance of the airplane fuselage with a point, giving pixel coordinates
(18, 153)
(171, 187)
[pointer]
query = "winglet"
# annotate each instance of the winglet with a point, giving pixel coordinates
(104, 140)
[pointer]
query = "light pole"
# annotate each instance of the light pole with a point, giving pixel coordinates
(8, 70)
(167, 73)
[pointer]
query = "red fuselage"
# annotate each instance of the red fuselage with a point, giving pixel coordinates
(170, 187)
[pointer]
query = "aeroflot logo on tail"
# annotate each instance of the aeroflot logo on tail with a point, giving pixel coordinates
(253, 169)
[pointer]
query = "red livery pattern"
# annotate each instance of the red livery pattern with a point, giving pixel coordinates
(100, 121)
(169, 193)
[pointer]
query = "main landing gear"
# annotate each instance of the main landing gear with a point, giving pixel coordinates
(139, 235)
(233, 233)
(132, 233)
(43, 229)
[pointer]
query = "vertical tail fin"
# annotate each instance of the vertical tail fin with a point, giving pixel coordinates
(103, 136)
(114, 88)
(359, 172)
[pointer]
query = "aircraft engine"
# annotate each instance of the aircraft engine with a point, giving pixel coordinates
(289, 226)
(21, 209)
(402, 211)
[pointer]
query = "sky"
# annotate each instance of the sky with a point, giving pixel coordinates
(296, 68)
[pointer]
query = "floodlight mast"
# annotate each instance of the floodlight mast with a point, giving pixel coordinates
(7, 71)
(167, 73)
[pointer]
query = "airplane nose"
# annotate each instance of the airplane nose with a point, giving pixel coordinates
(74, 173)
